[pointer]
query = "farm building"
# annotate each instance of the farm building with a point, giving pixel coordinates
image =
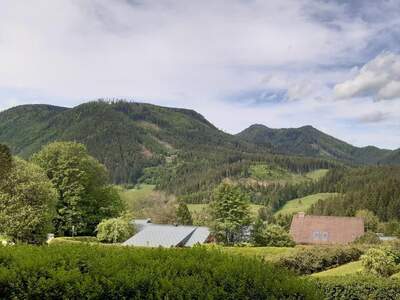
(156, 235)
(307, 229)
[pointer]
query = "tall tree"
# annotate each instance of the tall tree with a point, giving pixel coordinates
(231, 214)
(183, 216)
(5, 161)
(371, 221)
(85, 197)
(27, 203)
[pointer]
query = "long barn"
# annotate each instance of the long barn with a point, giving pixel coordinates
(308, 229)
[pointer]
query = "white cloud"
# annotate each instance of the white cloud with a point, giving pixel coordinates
(198, 54)
(379, 78)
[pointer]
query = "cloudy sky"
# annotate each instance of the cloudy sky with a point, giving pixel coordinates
(331, 64)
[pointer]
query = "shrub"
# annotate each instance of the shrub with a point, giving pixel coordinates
(359, 287)
(317, 259)
(74, 240)
(114, 230)
(380, 261)
(109, 272)
(276, 236)
(369, 238)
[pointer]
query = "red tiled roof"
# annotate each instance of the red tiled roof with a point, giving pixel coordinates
(325, 229)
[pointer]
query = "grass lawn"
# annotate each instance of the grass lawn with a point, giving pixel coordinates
(302, 204)
(270, 254)
(347, 269)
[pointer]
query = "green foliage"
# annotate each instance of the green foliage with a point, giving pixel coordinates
(85, 198)
(257, 237)
(369, 238)
(359, 287)
(268, 254)
(5, 162)
(391, 228)
(381, 261)
(74, 240)
(27, 200)
(109, 272)
(265, 213)
(265, 172)
(376, 189)
(371, 221)
(183, 216)
(231, 214)
(317, 259)
(308, 141)
(351, 268)
(276, 236)
(115, 230)
(270, 235)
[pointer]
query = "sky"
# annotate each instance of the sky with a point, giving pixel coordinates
(334, 65)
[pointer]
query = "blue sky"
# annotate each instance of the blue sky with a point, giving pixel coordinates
(331, 64)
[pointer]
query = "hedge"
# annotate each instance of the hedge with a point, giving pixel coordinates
(73, 271)
(317, 259)
(359, 287)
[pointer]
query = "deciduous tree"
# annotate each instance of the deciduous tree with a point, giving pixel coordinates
(27, 201)
(85, 197)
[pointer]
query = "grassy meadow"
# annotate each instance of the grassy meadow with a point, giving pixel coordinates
(303, 204)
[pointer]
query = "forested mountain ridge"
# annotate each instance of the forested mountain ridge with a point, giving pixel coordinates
(126, 137)
(130, 137)
(309, 141)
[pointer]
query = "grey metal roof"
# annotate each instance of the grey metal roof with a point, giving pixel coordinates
(154, 235)
(199, 236)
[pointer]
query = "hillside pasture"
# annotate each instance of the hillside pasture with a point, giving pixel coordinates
(303, 204)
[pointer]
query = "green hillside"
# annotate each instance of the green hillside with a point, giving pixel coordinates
(309, 141)
(126, 137)
(303, 204)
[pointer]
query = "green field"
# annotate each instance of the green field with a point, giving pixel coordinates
(271, 254)
(303, 204)
(347, 269)
(140, 193)
(317, 174)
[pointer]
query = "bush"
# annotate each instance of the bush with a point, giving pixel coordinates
(380, 261)
(276, 236)
(115, 230)
(109, 272)
(369, 238)
(74, 240)
(359, 287)
(318, 259)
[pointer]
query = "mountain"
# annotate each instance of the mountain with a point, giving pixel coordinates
(392, 158)
(126, 137)
(309, 141)
(130, 137)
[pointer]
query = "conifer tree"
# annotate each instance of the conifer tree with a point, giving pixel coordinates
(183, 215)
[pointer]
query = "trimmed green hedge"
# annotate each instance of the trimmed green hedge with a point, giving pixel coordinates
(317, 259)
(110, 272)
(74, 240)
(359, 287)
